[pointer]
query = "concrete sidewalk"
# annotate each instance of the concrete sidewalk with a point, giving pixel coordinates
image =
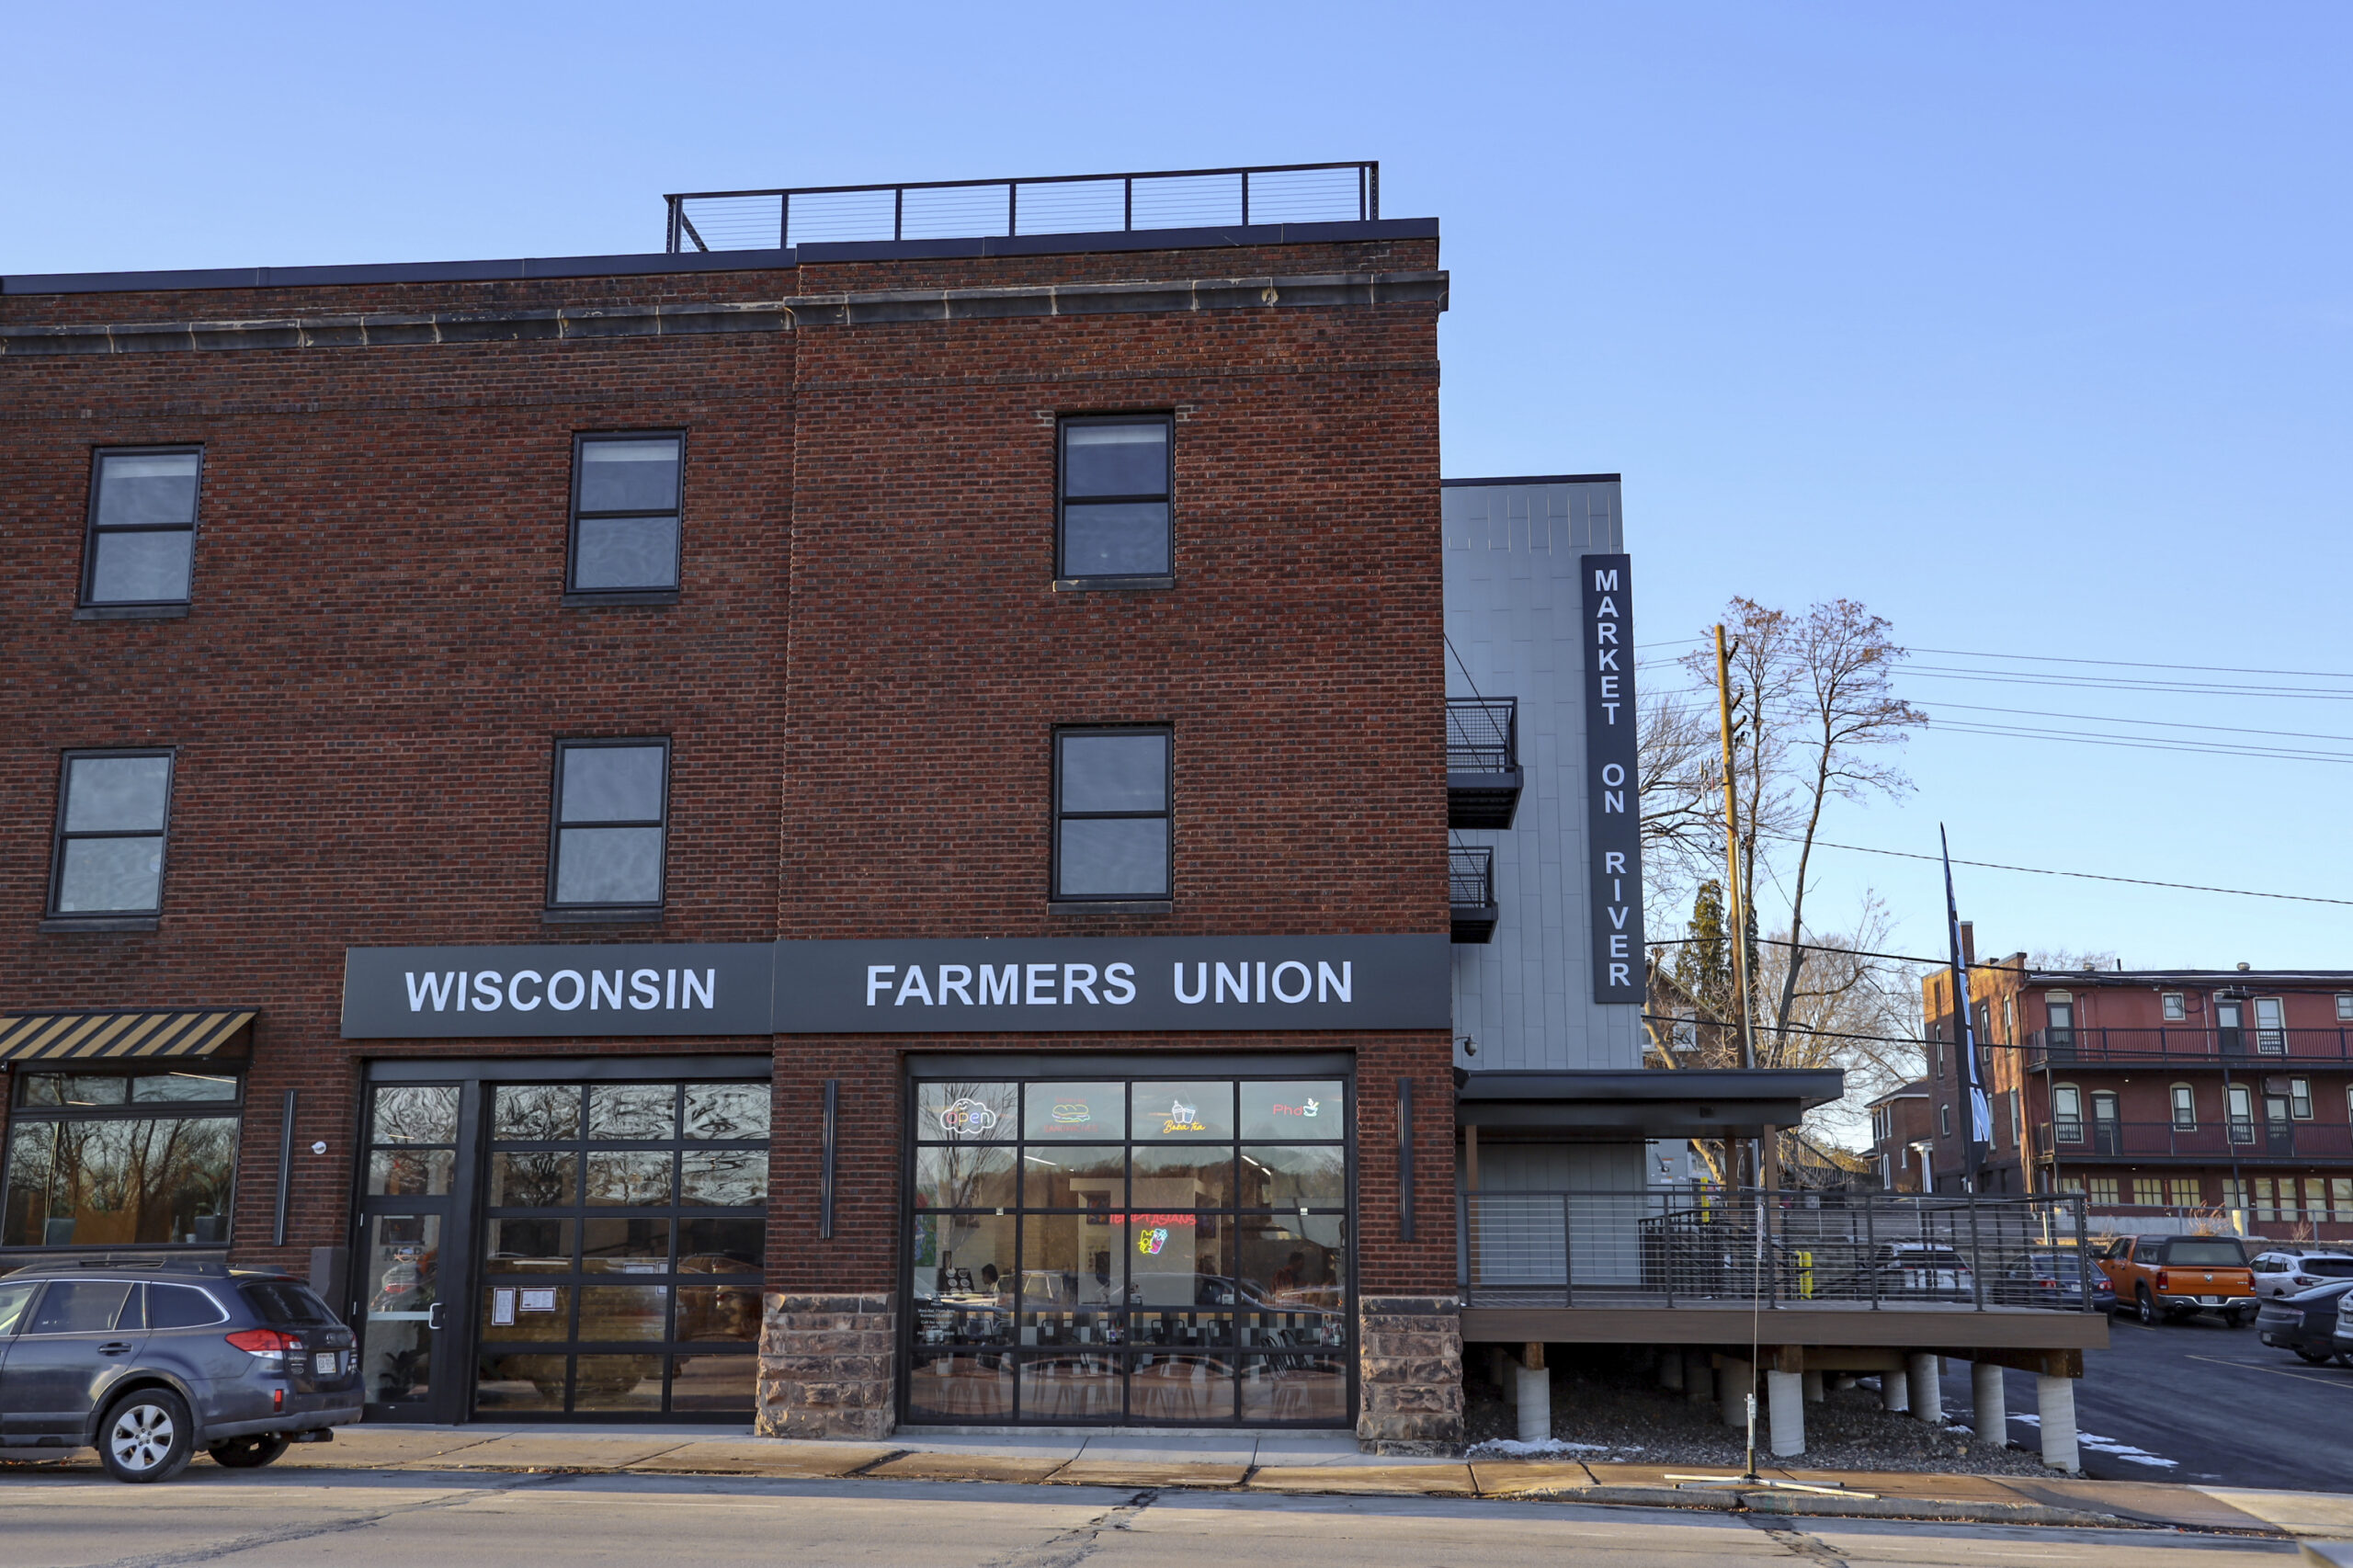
(1293, 1462)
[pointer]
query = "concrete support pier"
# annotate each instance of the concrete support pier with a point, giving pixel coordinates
(1927, 1388)
(1535, 1401)
(1814, 1389)
(2055, 1401)
(1894, 1393)
(1989, 1406)
(1735, 1379)
(1699, 1378)
(1785, 1400)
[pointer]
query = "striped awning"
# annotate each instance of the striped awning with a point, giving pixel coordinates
(107, 1037)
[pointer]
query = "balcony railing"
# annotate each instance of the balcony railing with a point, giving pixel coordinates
(2186, 1047)
(1681, 1247)
(1471, 888)
(1483, 776)
(1049, 204)
(2237, 1137)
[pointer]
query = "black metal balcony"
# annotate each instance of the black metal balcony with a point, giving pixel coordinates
(1471, 884)
(1483, 776)
(2182, 1046)
(2240, 1138)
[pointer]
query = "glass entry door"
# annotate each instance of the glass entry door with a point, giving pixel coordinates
(403, 1260)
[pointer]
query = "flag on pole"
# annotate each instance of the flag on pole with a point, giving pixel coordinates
(1981, 1107)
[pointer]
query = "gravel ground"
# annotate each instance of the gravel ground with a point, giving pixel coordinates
(1607, 1407)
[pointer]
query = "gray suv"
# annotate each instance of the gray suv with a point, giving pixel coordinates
(147, 1361)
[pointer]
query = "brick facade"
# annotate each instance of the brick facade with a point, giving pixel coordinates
(858, 677)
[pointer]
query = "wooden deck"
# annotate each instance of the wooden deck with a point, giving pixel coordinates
(1916, 1325)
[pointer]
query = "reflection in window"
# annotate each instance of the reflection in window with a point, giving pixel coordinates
(142, 529)
(1111, 814)
(610, 800)
(111, 816)
(107, 1172)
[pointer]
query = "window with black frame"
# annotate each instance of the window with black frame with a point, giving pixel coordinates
(625, 496)
(141, 548)
(101, 1159)
(1112, 823)
(112, 812)
(624, 1239)
(611, 805)
(1168, 1251)
(1112, 512)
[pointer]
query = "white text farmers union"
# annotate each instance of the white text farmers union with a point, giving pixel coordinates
(1073, 984)
(489, 989)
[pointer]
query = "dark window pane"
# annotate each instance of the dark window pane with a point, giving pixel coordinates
(727, 1110)
(1295, 1388)
(147, 488)
(538, 1312)
(634, 1111)
(624, 1311)
(967, 1113)
(639, 475)
(720, 1313)
(411, 1173)
(1311, 1177)
(1293, 1274)
(180, 1306)
(503, 1383)
(1177, 1259)
(626, 552)
(423, 1115)
(14, 1300)
(1116, 459)
(97, 875)
(1124, 538)
(1078, 1177)
(1115, 773)
(1114, 858)
(528, 1247)
(79, 1306)
(1179, 1177)
(178, 1086)
(617, 1383)
(630, 1178)
(529, 1113)
(957, 1387)
(1179, 1110)
(608, 865)
(1186, 1389)
(1073, 1280)
(120, 1182)
(1075, 1112)
(721, 1178)
(721, 1247)
(117, 794)
(284, 1302)
(141, 568)
(532, 1181)
(625, 1246)
(1079, 1386)
(963, 1260)
(1283, 1110)
(612, 784)
(974, 1176)
(699, 1384)
(76, 1088)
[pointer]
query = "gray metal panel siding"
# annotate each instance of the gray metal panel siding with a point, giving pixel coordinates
(1512, 599)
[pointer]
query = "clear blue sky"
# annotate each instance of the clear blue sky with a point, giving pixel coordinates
(2027, 325)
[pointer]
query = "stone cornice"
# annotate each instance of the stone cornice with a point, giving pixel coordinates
(415, 329)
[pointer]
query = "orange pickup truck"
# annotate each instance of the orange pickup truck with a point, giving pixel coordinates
(2168, 1277)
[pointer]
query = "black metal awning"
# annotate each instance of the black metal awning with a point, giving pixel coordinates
(1643, 1102)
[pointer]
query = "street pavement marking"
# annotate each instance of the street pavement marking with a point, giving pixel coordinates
(2275, 1372)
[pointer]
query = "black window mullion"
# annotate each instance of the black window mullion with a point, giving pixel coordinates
(96, 529)
(579, 514)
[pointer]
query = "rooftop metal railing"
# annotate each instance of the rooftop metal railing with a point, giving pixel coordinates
(1680, 1247)
(2239, 1137)
(1046, 204)
(2186, 1047)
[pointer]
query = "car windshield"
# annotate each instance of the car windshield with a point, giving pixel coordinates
(283, 1303)
(2206, 1254)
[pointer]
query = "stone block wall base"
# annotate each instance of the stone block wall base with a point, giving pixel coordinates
(1409, 1376)
(825, 1366)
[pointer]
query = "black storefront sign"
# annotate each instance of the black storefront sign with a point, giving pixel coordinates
(1042, 985)
(1613, 808)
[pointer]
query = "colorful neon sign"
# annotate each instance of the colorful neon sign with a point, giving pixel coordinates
(966, 1117)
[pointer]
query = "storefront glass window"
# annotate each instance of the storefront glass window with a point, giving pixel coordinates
(1087, 1250)
(126, 1159)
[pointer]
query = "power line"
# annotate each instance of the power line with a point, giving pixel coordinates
(2047, 871)
(2153, 743)
(2117, 663)
(2164, 723)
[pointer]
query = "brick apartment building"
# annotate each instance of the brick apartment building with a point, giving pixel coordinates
(2164, 1096)
(1903, 1138)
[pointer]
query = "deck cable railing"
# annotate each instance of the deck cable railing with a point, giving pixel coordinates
(1045, 204)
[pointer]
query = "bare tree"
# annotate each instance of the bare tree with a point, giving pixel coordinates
(1681, 780)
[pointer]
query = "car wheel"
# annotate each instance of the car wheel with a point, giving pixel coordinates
(146, 1436)
(2315, 1358)
(2146, 1306)
(2238, 1320)
(249, 1453)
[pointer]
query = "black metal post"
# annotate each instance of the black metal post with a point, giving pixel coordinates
(1012, 208)
(1128, 207)
(285, 1168)
(1405, 1159)
(784, 223)
(826, 1179)
(1871, 1245)
(1246, 198)
(898, 212)
(1376, 189)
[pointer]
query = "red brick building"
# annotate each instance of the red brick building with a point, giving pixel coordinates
(614, 805)
(2161, 1095)
(1903, 1136)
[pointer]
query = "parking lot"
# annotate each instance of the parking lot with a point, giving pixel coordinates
(2196, 1402)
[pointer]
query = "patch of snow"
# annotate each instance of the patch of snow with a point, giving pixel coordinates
(1513, 1448)
(2100, 1445)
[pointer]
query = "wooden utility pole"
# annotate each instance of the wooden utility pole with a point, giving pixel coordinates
(1735, 897)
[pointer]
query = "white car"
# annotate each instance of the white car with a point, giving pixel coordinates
(2292, 1273)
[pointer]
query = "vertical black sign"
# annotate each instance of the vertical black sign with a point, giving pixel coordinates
(1613, 811)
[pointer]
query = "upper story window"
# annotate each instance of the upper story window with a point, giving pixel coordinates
(1112, 513)
(2185, 1105)
(141, 546)
(113, 808)
(2300, 1099)
(2177, 1006)
(611, 805)
(2345, 1007)
(1111, 816)
(625, 513)
(2061, 1008)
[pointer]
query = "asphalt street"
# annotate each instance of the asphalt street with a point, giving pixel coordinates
(2196, 1402)
(348, 1521)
